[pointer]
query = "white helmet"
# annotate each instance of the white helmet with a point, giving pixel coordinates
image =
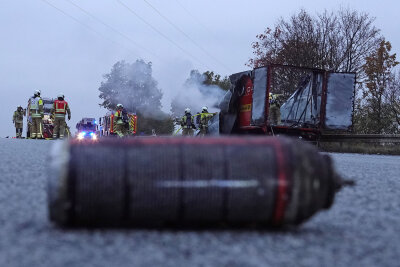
(120, 106)
(204, 109)
(60, 95)
(187, 110)
(37, 92)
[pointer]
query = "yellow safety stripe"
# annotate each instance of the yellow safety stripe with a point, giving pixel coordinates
(245, 108)
(177, 130)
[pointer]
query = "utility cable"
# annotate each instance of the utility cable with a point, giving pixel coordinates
(112, 28)
(86, 26)
(186, 35)
(196, 19)
(161, 33)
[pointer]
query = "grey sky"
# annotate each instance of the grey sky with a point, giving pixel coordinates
(41, 48)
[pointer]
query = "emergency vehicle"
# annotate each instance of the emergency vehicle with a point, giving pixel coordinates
(86, 129)
(106, 125)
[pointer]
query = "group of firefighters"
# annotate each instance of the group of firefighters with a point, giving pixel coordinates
(60, 109)
(35, 111)
(187, 122)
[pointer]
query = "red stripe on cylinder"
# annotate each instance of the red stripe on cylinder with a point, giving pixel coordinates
(280, 205)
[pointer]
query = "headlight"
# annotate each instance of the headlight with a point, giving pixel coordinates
(81, 135)
(93, 135)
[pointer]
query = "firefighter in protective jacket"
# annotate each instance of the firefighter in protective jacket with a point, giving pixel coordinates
(18, 119)
(187, 123)
(35, 109)
(59, 110)
(121, 121)
(274, 109)
(204, 118)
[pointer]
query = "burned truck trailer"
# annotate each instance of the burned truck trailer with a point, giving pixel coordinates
(312, 102)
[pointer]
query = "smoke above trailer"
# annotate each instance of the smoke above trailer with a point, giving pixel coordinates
(195, 94)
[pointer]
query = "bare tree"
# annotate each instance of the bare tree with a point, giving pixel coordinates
(336, 41)
(358, 38)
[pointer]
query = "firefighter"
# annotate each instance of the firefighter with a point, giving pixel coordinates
(274, 109)
(59, 110)
(187, 123)
(18, 119)
(204, 118)
(121, 121)
(35, 109)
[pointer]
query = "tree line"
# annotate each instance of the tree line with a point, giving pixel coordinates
(342, 41)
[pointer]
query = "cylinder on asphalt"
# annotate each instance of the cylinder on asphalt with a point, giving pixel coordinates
(156, 182)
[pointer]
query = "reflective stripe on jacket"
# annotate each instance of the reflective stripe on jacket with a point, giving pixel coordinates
(118, 117)
(205, 117)
(60, 108)
(35, 103)
(187, 121)
(36, 107)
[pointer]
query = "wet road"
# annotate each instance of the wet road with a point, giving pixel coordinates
(362, 228)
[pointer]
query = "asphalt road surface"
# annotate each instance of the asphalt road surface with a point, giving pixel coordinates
(361, 229)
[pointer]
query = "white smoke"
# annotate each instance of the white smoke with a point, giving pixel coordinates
(194, 94)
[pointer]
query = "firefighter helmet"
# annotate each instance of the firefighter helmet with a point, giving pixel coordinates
(119, 106)
(60, 95)
(187, 110)
(37, 92)
(204, 109)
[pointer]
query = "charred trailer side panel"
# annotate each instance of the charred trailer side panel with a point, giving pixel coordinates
(340, 101)
(188, 182)
(259, 109)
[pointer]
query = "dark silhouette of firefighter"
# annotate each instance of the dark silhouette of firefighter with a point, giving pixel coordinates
(187, 123)
(18, 119)
(121, 121)
(274, 109)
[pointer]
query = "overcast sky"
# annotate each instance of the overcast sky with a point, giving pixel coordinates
(43, 48)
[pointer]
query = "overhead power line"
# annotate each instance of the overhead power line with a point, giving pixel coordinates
(113, 29)
(196, 19)
(186, 35)
(162, 34)
(86, 26)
